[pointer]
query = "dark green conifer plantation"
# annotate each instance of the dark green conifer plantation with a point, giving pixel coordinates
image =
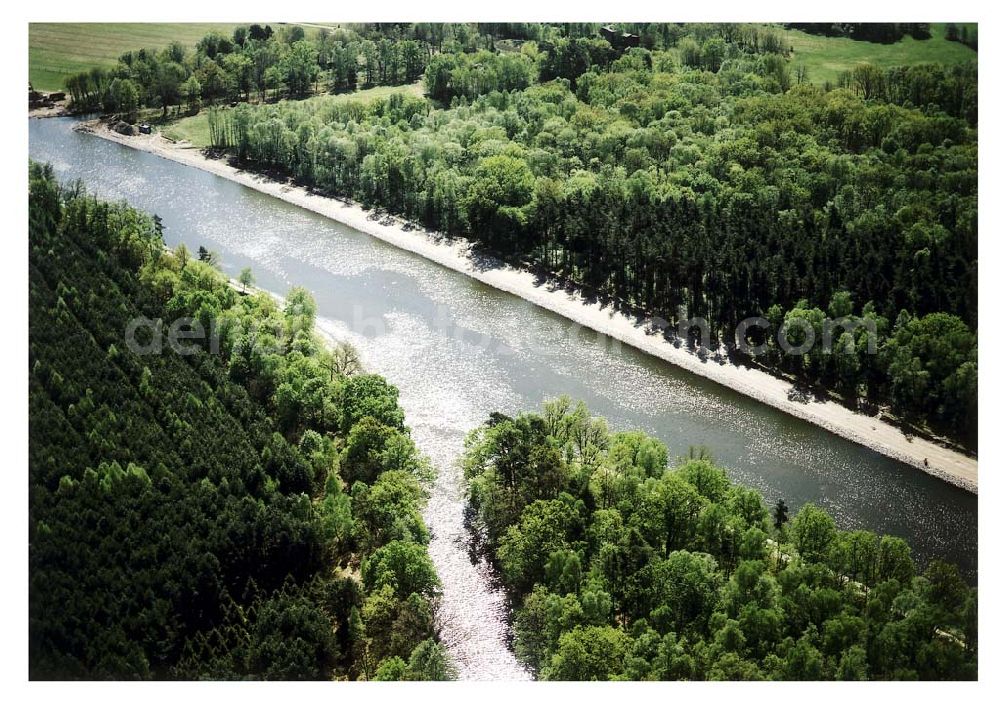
(208, 515)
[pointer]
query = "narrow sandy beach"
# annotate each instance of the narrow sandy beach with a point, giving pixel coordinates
(883, 437)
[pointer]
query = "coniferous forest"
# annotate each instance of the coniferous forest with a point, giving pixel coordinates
(249, 515)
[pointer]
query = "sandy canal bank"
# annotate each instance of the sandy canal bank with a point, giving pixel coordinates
(924, 455)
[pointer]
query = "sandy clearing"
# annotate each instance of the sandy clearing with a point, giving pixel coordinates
(876, 434)
(59, 109)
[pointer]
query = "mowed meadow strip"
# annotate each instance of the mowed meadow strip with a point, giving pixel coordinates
(59, 49)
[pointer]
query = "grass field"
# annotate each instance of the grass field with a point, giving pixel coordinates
(56, 50)
(826, 57)
(194, 129)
